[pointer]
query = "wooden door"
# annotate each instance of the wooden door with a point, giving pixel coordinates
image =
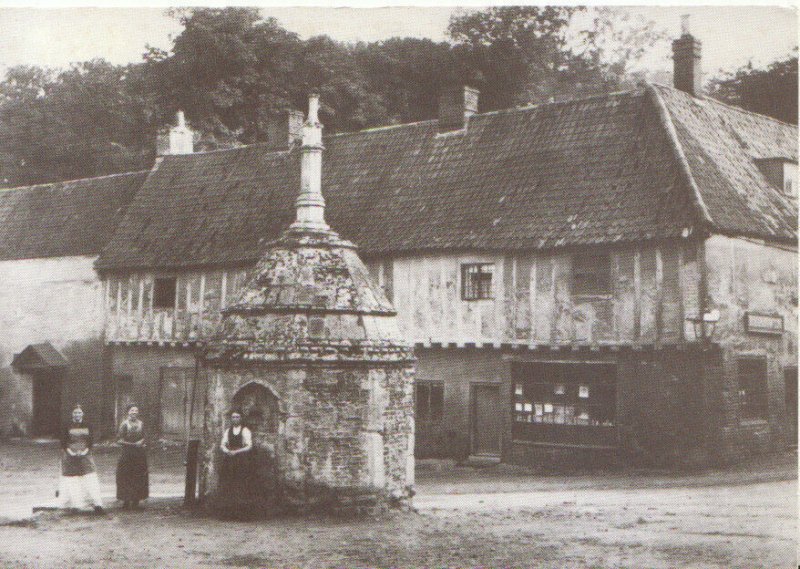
(790, 380)
(174, 399)
(487, 419)
(47, 403)
(182, 401)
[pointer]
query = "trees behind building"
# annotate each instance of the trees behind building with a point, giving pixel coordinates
(230, 70)
(771, 91)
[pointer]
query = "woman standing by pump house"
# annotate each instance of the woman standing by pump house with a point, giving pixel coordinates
(78, 487)
(237, 480)
(132, 475)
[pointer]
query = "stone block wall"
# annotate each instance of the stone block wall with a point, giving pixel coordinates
(342, 432)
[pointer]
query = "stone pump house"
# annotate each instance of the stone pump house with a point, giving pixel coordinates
(607, 278)
(311, 354)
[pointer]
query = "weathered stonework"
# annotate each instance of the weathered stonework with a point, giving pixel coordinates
(321, 343)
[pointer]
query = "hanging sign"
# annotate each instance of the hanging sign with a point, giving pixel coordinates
(756, 323)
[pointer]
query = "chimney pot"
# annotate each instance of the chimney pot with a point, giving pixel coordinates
(686, 59)
(178, 139)
(685, 25)
(456, 105)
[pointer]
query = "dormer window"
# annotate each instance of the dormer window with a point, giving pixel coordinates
(790, 179)
(781, 173)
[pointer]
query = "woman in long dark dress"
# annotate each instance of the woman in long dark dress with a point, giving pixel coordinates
(237, 480)
(78, 486)
(132, 474)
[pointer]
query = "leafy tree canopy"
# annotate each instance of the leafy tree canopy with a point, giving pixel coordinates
(231, 70)
(771, 91)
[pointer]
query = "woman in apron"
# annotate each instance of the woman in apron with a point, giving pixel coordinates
(237, 476)
(78, 487)
(132, 475)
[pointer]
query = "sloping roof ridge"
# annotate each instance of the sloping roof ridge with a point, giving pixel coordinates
(683, 163)
(380, 128)
(76, 180)
(729, 106)
(515, 109)
(233, 149)
(533, 106)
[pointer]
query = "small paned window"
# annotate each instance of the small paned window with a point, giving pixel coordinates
(429, 401)
(752, 374)
(476, 281)
(591, 275)
(164, 292)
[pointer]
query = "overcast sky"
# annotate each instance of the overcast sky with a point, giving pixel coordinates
(731, 35)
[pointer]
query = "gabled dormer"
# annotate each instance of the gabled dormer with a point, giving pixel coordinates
(781, 172)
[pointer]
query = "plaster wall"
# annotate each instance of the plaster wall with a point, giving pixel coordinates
(744, 277)
(652, 287)
(56, 300)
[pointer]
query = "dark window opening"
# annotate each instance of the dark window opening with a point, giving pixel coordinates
(565, 403)
(476, 281)
(429, 401)
(752, 374)
(591, 275)
(164, 292)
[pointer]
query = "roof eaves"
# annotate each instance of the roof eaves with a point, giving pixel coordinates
(680, 156)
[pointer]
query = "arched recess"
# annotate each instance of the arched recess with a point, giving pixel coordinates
(260, 407)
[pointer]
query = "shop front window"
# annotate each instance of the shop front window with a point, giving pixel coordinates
(565, 403)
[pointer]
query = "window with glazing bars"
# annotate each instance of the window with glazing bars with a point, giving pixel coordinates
(429, 401)
(476, 281)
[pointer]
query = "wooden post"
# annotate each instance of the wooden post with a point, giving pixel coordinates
(192, 455)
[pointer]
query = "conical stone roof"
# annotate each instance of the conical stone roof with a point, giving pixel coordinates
(311, 300)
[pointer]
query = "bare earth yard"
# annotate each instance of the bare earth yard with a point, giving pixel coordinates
(467, 517)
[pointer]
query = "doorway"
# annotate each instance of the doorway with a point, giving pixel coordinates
(790, 383)
(46, 420)
(487, 419)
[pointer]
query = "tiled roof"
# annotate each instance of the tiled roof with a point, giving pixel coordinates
(39, 356)
(584, 172)
(64, 218)
(721, 144)
(623, 167)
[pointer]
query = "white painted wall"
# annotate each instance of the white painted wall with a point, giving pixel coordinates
(56, 300)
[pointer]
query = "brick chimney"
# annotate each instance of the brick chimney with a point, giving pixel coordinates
(284, 129)
(687, 75)
(178, 139)
(456, 105)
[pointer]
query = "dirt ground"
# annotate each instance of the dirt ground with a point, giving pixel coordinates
(467, 517)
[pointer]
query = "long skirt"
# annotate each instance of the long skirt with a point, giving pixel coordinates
(78, 486)
(132, 476)
(238, 485)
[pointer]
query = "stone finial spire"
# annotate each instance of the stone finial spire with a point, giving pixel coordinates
(310, 203)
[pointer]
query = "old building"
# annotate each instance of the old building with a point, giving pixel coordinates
(604, 277)
(311, 353)
(51, 300)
